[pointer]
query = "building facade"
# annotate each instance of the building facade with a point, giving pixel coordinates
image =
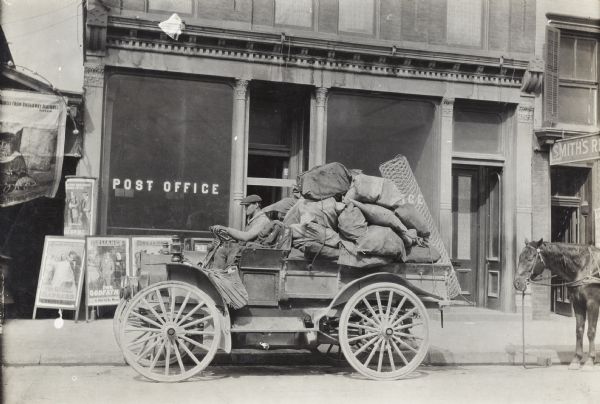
(566, 191)
(253, 92)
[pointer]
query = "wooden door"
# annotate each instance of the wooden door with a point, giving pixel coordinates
(476, 235)
(465, 225)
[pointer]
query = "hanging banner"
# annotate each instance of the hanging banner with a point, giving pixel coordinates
(32, 138)
(575, 149)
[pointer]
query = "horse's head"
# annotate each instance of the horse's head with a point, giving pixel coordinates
(531, 264)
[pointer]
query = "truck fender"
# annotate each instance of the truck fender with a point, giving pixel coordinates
(194, 276)
(344, 294)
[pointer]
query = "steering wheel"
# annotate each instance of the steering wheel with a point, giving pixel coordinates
(220, 233)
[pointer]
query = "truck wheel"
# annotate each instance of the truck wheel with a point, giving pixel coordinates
(170, 331)
(384, 331)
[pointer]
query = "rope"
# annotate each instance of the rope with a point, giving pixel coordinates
(523, 325)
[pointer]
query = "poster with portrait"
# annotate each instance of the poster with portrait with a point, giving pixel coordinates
(32, 138)
(61, 273)
(80, 206)
(147, 245)
(107, 265)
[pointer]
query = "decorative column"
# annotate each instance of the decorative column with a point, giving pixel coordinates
(93, 104)
(533, 208)
(238, 152)
(447, 129)
(316, 154)
(93, 96)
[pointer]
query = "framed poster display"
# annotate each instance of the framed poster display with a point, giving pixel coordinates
(80, 206)
(107, 263)
(61, 274)
(147, 245)
(198, 244)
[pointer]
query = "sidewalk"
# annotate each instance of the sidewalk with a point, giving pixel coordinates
(470, 336)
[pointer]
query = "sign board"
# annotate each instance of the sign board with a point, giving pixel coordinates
(580, 148)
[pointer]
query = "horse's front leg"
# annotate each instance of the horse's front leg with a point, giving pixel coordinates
(592, 319)
(580, 312)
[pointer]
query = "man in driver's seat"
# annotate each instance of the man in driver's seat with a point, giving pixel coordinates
(257, 224)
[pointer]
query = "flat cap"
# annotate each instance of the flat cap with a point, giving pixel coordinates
(250, 199)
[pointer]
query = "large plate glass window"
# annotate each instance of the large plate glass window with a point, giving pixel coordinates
(167, 156)
(366, 130)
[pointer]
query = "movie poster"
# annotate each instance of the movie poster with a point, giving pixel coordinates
(32, 137)
(61, 273)
(107, 265)
(80, 206)
(146, 245)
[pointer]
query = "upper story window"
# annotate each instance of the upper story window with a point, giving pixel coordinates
(571, 78)
(172, 6)
(578, 81)
(464, 22)
(357, 16)
(294, 12)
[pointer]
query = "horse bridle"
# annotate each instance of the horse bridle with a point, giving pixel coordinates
(538, 254)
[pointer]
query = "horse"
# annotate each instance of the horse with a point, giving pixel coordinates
(578, 265)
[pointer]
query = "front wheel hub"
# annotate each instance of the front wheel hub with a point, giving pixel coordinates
(389, 332)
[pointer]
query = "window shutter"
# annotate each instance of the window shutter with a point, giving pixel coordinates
(551, 76)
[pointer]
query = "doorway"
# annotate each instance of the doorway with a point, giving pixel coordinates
(570, 188)
(278, 133)
(476, 233)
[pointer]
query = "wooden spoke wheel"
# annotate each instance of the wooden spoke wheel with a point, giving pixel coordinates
(170, 331)
(118, 319)
(384, 331)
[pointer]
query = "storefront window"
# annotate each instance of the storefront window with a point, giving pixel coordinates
(169, 155)
(364, 131)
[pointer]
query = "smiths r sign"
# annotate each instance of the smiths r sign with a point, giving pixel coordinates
(581, 148)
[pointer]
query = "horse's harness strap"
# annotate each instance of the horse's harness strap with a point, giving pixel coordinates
(592, 277)
(588, 279)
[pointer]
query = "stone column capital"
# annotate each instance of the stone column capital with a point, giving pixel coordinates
(321, 96)
(447, 106)
(241, 89)
(525, 113)
(93, 74)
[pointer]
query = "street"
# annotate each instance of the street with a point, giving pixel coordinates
(301, 384)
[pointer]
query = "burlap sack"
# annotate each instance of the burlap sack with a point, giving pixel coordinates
(352, 223)
(230, 286)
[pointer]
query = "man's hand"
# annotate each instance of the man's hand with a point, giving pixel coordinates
(220, 228)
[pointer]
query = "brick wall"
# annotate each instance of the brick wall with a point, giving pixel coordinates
(510, 24)
(540, 295)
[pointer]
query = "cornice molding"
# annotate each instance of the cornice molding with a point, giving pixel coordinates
(268, 48)
(307, 61)
(575, 23)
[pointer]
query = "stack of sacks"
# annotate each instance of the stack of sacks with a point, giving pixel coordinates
(383, 204)
(371, 227)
